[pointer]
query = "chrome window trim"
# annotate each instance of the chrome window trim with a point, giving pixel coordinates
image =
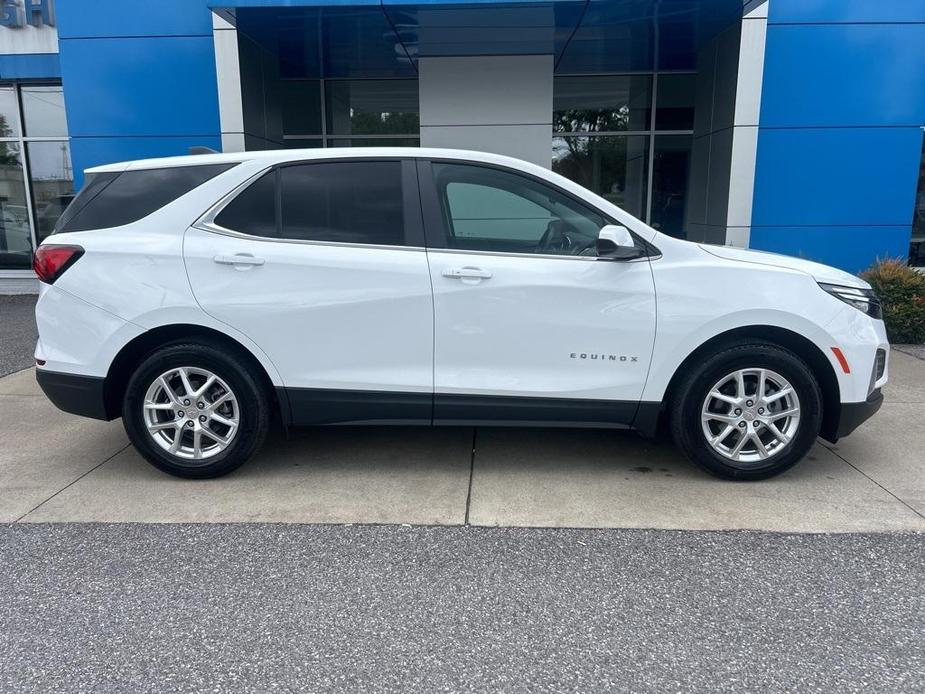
(537, 256)
(213, 228)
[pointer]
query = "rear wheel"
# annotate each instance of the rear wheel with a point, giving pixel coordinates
(194, 411)
(748, 412)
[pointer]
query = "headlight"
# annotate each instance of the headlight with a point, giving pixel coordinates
(863, 300)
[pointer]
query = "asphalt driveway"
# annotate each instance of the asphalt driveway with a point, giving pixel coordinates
(17, 332)
(261, 608)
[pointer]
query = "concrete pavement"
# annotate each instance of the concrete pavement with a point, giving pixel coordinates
(56, 467)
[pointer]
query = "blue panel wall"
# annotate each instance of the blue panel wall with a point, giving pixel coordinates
(840, 137)
(139, 78)
(850, 247)
(836, 176)
(30, 66)
(814, 11)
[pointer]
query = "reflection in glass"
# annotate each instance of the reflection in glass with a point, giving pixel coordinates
(51, 178)
(613, 167)
(300, 101)
(372, 107)
(43, 111)
(917, 246)
(8, 119)
(669, 183)
(300, 143)
(601, 103)
(674, 103)
(376, 142)
(15, 239)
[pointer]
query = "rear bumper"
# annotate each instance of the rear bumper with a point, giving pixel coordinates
(853, 414)
(81, 395)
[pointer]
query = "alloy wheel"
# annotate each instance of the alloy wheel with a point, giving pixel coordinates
(191, 413)
(750, 415)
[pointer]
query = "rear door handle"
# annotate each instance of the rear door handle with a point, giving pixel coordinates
(238, 259)
(467, 273)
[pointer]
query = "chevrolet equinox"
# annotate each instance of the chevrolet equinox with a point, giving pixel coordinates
(196, 297)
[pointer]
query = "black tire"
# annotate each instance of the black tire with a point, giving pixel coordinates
(686, 406)
(249, 391)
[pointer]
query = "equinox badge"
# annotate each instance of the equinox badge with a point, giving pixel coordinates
(602, 357)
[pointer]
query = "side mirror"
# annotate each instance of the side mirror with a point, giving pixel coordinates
(616, 243)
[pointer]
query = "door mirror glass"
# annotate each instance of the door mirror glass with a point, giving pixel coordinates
(616, 243)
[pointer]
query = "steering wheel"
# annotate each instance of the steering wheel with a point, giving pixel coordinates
(554, 238)
(589, 248)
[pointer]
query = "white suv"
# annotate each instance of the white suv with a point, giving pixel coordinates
(197, 297)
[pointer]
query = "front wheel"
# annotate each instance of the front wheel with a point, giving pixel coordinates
(194, 411)
(749, 412)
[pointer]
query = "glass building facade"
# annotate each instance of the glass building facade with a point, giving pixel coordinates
(626, 137)
(777, 125)
(36, 175)
(917, 243)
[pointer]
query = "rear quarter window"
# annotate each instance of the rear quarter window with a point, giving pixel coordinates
(117, 198)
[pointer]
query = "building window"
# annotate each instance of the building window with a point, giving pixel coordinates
(36, 176)
(917, 246)
(628, 138)
(614, 167)
(350, 113)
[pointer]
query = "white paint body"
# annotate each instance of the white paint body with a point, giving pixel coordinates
(375, 318)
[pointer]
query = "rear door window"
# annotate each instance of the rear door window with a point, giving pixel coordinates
(117, 198)
(338, 202)
(343, 202)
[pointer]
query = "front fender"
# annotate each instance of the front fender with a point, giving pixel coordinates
(673, 346)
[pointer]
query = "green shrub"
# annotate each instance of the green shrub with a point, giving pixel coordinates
(902, 291)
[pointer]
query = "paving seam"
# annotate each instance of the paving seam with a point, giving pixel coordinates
(900, 500)
(917, 534)
(71, 483)
(471, 475)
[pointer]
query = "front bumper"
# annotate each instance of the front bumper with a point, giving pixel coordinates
(853, 414)
(81, 395)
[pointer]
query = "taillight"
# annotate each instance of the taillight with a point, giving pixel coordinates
(50, 261)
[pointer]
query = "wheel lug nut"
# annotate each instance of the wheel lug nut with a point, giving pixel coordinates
(749, 403)
(738, 411)
(760, 410)
(180, 414)
(742, 424)
(189, 423)
(756, 423)
(202, 418)
(200, 404)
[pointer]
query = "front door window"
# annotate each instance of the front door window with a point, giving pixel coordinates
(486, 209)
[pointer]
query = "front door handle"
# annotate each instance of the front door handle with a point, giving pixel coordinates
(238, 259)
(467, 272)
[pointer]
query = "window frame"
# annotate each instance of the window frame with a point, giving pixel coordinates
(413, 232)
(438, 234)
(325, 136)
(21, 140)
(650, 132)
